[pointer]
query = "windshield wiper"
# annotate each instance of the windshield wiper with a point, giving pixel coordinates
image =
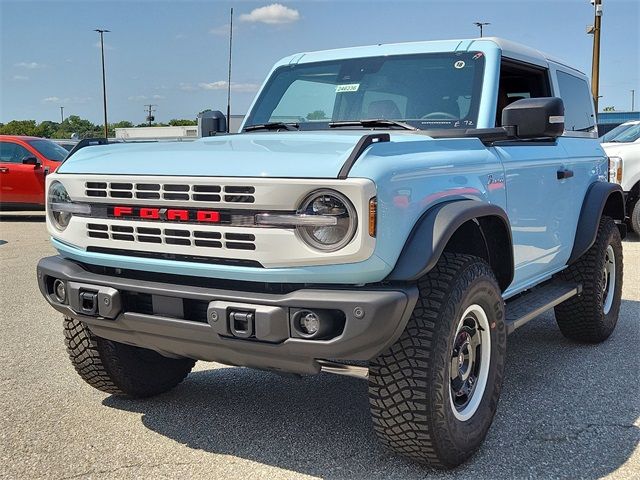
(272, 126)
(372, 123)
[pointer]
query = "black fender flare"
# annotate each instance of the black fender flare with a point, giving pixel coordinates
(601, 198)
(434, 229)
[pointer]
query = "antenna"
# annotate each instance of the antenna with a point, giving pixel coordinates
(229, 79)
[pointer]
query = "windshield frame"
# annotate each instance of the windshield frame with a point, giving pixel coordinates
(472, 119)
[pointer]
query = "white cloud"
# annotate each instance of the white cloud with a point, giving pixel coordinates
(142, 98)
(273, 14)
(222, 30)
(66, 100)
(236, 87)
(186, 87)
(29, 65)
(20, 78)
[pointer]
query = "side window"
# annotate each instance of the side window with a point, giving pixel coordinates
(13, 153)
(518, 81)
(578, 112)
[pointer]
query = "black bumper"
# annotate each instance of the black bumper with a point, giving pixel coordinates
(188, 321)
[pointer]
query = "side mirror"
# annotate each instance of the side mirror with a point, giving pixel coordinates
(31, 161)
(535, 117)
(211, 122)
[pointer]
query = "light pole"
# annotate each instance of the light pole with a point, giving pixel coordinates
(104, 82)
(595, 63)
(633, 100)
(480, 25)
(150, 110)
(61, 114)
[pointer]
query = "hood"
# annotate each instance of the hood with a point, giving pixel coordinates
(270, 154)
(617, 148)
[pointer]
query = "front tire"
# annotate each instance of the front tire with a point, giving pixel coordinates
(121, 369)
(433, 394)
(592, 316)
(634, 219)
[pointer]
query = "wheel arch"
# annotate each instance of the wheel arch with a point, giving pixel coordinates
(602, 198)
(463, 226)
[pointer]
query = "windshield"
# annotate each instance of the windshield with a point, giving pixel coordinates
(427, 91)
(628, 135)
(615, 132)
(48, 149)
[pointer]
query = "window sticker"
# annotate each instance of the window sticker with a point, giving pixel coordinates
(350, 87)
(477, 56)
(459, 64)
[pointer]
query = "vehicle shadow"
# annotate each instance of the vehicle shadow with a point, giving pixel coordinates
(567, 410)
(22, 217)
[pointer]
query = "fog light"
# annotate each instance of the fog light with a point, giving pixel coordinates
(60, 291)
(309, 323)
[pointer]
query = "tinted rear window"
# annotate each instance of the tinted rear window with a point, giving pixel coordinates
(50, 150)
(578, 110)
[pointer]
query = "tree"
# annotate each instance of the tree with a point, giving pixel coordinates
(20, 127)
(47, 129)
(122, 124)
(609, 109)
(317, 115)
(182, 122)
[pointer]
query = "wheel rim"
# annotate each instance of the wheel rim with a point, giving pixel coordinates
(608, 279)
(470, 359)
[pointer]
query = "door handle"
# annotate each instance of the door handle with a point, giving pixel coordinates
(564, 173)
(4, 169)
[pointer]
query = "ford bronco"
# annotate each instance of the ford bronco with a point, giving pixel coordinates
(389, 212)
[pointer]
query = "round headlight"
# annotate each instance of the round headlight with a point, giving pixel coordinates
(58, 195)
(328, 237)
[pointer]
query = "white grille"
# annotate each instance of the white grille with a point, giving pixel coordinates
(172, 236)
(171, 191)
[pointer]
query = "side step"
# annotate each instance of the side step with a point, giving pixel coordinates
(536, 301)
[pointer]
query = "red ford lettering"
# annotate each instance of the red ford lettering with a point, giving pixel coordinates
(182, 215)
(208, 216)
(152, 213)
(122, 211)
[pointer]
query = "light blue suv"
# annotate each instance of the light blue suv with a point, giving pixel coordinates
(389, 212)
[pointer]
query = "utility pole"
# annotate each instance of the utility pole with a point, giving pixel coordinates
(104, 82)
(480, 25)
(595, 30)
(150, 110)
(229, 78)
(61, 114)
(633, 100)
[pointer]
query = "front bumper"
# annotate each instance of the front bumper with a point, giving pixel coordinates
(181, 320)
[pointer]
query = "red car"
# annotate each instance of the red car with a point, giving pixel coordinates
(24, 163)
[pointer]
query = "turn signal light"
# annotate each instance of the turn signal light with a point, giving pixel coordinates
(373, 216)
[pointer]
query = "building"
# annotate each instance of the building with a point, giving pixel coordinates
(607, 121)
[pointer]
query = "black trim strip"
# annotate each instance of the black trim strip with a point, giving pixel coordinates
(361, 146)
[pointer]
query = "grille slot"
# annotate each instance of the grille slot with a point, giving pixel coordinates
(172, 191)
(172, 236)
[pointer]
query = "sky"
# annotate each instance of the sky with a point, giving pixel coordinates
(174, 53)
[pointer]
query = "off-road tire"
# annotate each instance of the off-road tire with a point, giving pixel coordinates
(582, 317)
(121, 369)
(634, 218)
(409, 384)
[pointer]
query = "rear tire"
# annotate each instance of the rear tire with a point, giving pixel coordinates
(634, 219)
(422, 401)
(592, 316)
(121, 369)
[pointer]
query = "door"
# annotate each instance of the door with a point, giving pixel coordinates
(539, 188)
(19, 183)
(538, 183)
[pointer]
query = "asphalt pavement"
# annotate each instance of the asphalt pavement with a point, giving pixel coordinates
(567, 410)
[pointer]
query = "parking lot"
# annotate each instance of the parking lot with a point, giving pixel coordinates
(567, 410)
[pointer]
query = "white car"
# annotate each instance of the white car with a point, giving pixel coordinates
(623, 149)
